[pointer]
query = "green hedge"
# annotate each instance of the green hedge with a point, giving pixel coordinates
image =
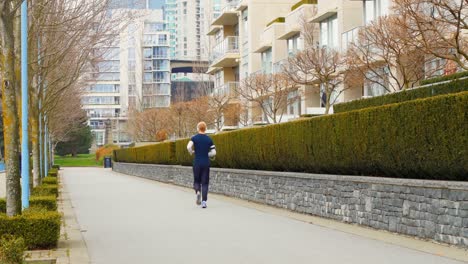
(445, 78)
(45, 190)
(49, 180)
(183, 157)
(417, 93)
(162, 153)
(424, 139)
(46, 202)
(53, 172)
(40, 229)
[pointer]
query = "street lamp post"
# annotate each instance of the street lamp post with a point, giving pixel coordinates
(24, 106)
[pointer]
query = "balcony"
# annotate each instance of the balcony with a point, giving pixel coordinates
(228, 16)
(279, 66)
(229, 90)
(349, 37)
(302, 10)
(316, 110)
(226, 53)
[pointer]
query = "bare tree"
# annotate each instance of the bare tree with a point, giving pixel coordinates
(63, 40)
(218, 101)
(439, 27)
(269, 92)
(149, 124)
(322, 69)
(10, 92)
(385, 55)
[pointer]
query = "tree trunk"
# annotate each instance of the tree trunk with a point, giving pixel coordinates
(41, 149)
(10, 113)
(35, 137)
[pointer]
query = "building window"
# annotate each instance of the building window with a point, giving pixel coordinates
(374, 9)
(376, 82)
(99, 137)
(219, 79)
(323, 96)
(245, 24)
(295, 44)
(294, 103)
(266, 61)
(329, 32)
(435, 67)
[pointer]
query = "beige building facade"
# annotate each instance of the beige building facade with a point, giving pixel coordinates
(251, 37)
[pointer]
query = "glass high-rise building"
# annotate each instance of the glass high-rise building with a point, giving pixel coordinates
(137, 4)
(132, 73)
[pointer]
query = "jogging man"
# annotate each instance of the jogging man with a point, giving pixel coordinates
(204, 150)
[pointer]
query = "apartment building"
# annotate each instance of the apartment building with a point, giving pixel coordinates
(131, 73)
(234, 35)
(185, 20)
(251, 37)
(284, 37)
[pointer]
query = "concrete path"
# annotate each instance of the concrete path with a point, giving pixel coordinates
(126, 219)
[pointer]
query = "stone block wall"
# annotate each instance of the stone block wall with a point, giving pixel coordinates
(436, 210)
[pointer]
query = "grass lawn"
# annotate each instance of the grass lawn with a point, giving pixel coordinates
(83, 160)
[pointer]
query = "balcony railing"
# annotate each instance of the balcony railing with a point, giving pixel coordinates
(278, 67)
(349, 37)
(230, 6)
(228, 89)
(230, 45)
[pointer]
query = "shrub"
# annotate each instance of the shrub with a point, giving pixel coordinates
(46, 202)
(53, 172)
(399, 97)
(161, 153)
(12, 250)
(49, 180)
(105, 151)
(40, 229)
(45, 190)
(424, 138)
(183, 157)
(57, 167)
(445, 78)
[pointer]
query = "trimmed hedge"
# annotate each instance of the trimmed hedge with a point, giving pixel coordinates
(40, 229)
(45, 202)
(399, 97)
(183, 157)
(57, 167)
(423, 139)
(161, 153)
(49, 181)
(12, 250)
(445, 78)
(53, 172)
(45, 190)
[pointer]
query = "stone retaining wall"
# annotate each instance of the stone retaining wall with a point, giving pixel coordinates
(436, 210)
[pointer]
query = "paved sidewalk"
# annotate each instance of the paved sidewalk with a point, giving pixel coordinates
(134, 220)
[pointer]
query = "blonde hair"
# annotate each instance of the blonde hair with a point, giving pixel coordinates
(201, 127)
